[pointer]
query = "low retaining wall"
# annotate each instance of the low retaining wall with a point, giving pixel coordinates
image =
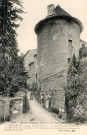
(16, 105)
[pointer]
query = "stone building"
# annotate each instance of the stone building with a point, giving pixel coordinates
(58, 38)
(29, 57)
(83, 42)
(30, 64)
(83, 49)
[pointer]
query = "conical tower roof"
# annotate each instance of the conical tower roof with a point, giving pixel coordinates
(59, 13)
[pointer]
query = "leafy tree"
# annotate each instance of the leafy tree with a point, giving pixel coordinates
(75, 86)
(9, 18)
(73, 78)
(20, 76)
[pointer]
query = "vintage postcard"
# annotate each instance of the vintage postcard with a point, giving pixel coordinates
(43, 67)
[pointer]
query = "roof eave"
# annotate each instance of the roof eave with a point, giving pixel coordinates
(77, 21)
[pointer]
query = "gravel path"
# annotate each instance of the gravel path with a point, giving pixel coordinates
(36, 114)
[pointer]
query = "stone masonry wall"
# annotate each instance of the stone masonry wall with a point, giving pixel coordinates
(31, 56)
(54, 85)
(28, 58)
(32, 77)
(83, 42)
(53, 49)
(52, 57)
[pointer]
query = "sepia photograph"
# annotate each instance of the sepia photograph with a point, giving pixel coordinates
(43, 67)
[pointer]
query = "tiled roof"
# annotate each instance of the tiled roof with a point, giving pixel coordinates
(30, 51)
(59, 14)
(59, 11)
(31, 63)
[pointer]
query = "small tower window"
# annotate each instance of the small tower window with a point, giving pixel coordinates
(70, 43)
(69, 60)
(36, 76)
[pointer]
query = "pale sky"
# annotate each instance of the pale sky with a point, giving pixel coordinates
(37, 10)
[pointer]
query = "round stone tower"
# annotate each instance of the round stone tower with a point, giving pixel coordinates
(58, 37)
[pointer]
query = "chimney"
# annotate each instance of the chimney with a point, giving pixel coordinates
(51, 9)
